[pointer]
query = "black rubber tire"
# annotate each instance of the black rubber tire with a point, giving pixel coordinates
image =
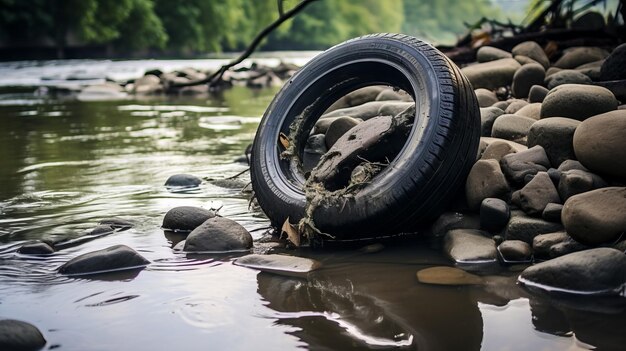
(420, 181)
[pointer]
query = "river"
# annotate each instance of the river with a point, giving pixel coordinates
(66, 165)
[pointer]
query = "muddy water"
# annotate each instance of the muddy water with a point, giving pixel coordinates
(67, 165)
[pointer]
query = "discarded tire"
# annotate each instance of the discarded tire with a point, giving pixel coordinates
(418, 183)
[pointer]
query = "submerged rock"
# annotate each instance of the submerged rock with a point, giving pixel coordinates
(218, 234)
(595, 271)
(515, 251)
(36, 248)
(185, 218)
(20, 336)
(447, 276)
(279, 264)
(114, 258)
(182, 181)
(117, 223)
(469, 246)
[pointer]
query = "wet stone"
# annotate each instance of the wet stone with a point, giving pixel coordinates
(338, 128)
(525, 77)
(565, 247)
(537, 194)
(217, 235)
(182, 181)
(494, 214)
(532, 50)
(515, 251)
(552, 212)
(469, 246)
(614, 67)
(595, 271)
(102, 229)
(575, 181)
(279, 264)
(488, 115)
(527, 228)
(489, 53)
(566, 76)
(556, 136)
(578, 101)
(537, 93)
(485, 97)
(485, 180)
(20, 336)
(516, 166)
(36, 248)
(543, 242)
(443, 275)
(512, 127)
(453, 220)
(185, 218)
(114, 258)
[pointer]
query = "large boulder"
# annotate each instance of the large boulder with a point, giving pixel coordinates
(469, 246)
(217, 235)
(20, 336)
(525, 77)
(492, 75)
(485, 180)
(512, 127)
(556, 136)
(114, 258)
(185, 218)
(532, 50)
(595, 271)
(600, 143)
(614, 67)
(578, 101)
(597, 216)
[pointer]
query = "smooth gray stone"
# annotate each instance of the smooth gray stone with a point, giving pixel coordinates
(491, 75)
(578, 101)
(20, 336)
(527, 228)
(515, 251)
(525, 77)
(185, 218)
(575, 181)
(485, 97)
(516, 166)
(532, 50)
(469, 246)
(183, 181)
(485, 180)
(218, 235)
(291, 266)
(488, 115)
(537, 93)
(614, 67)
(577, 56)
(543, 242)
(556, 136)
(489, 53)
(566, 76)
(494, 214)
(512, 127)
(339, 127)
(36, 248)
(114, 258)
(537, 194)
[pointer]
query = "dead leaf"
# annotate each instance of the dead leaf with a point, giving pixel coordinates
(284, 140)
(292, 233)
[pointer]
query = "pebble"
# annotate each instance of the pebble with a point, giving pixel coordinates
(525, 77)
(565, 247)
(494, 214)
(337, 128)
(485, 97)
(566, 76)
(577, 56)
(614, 67)
(515, 251)
(469, 246)
(114, 258)
(527, 228)
(568, 165)
(537, 93)
(595, 271)
(516, 166)
(531, 111)
(497, 150)
(218, 235)
(577, 181)
(453, 220)
(491, 75)
(555, 135)
(543, 242)
(485, 180)
(502, 104)
(488, 115)
(515, 105)
(291, 266)
(591, 69)
(578, 101)
(489, 53)
(36, 248)
(182, 181)
(600, 144)
(552, 212)
(597, 216)
(443, 275)
(537, 194)
(20, 336)
(512, 127)
(185, 218)
(532, 50)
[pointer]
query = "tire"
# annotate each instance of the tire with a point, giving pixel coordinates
(419, 183)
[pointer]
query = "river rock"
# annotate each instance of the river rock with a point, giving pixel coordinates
(393, 95)
(485, 97)
(489, 53)
(600, 143)
(578, 101)
(543, 242)
(525, 60)
(565, 247)
(100, 92)
(525, 77)
(516, 166)
(515, 251)
(493, 74)
(556, 136)
(555, 176)
(531, 111)
(485, 180)
(357, 97)
(36, 248)
(453, 220)
(314, 149)
(597, 216)
(447, 276)
(537, 194)
(469, 246)
(292, 266)
(364, 111)
(494, 214)
(502, 104)
(577, 181)
(322, 124)
(614, 67)
(488, 115)
(534, 51)
(537, 93)
(566, 76)
(552, 212)
(338, 128)
(568, 165)
(515, 105)
(217, 235)
(527, 228)
(20, 336)
(182, 181)
(185, 218)
(591, 69)
(595, 271)
(512, 127)
(497, 150)
(114, 258)
(147, 85)
(577, 56)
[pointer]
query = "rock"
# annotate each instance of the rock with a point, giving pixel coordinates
(621, 246)
(487, 116)
(217, 235)
(537, 93)
(600, 145)
(185, 218)
(531, 111)
(525, 60)
(576, 181)
(357, 97)
(591, 69)
(566, 76)
(537, 194)
(265, 80)
(555, 176)
(614, 67)
(469, 246)
(485, 97)
(525, 77)
(453, 220)
(101, 229)
(515, 106)
(447, 276)
(114, 258)
(364, 111)
(117, 223)
(493, 74)
(147, 85)
(393, 108)
(552, 212)
(595, 271)
(590, 20)
(314, 149)
(20, 336)
(565, 247)
(489, 53)
(578, 101)
(516, 166)
(543, 242)
(182, 181)
(527, 228)
(322, 124)
(494, 214)
(577, 56)
(279, 264)
(497, 150)
(532, 50)
(552, 70)
(486, 141)
(338, 128)
(568, 165)
(485, 180)
(556, 136)
(515, 251)
(102, 92)
(393, 95)
(502, 104)
(597, 216)
(36, 248)
(512, 127)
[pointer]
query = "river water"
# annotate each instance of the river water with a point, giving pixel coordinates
(66, 165)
